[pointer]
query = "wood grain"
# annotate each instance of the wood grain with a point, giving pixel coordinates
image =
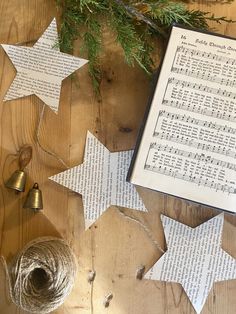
(114, 246)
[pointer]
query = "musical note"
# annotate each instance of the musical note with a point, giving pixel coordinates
(207, 55)
(203, 88)
(198, 122)
(204, 76)
(193, 143)
(195, 156)
(190, 178)
(200, 110)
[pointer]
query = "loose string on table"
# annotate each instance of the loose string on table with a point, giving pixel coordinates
(37, 135)
(144, 227)
(141, 268)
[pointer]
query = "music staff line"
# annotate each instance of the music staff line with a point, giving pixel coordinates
(199, 181)
(198, 122)
(203, 111)
(192, 143)
(207, 55)
(195, 156)
(203, 76)
(201, 87)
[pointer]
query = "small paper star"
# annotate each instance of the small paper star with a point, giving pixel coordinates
(194, 258)
(101, 180)
(41, 68)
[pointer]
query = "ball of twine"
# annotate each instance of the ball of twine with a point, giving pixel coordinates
(42, 275)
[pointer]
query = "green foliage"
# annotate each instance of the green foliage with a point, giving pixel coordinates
(134, 23)
(127, 36)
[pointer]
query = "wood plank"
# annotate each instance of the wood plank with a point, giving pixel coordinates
(25, 21)
(124, 96)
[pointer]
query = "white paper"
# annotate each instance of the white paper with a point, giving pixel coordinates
(101, 180)
(194, 258)
(188, 148)
(41, 68)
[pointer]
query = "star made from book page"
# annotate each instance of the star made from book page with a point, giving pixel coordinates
(101, 179)
(41, 68)
(194, 258)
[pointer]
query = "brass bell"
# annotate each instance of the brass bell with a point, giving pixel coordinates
(18, 178)
(34, 198)
(17, 181)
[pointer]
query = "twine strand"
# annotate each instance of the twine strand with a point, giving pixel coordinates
(41, 146)
(144, 227)
(42, 275)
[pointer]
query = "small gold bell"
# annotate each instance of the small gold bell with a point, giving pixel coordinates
(17, 181)
(18, 178)
(34, 198)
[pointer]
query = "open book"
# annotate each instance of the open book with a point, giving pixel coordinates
(187, 146)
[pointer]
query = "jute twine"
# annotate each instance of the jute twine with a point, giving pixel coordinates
(42, 275)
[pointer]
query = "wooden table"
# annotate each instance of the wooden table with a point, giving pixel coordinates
(114, 246)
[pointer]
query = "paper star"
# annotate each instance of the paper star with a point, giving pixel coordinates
(41, 68)
(101, 180)
(194, 258)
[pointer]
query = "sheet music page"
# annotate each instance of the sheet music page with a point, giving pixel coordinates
(188, 147)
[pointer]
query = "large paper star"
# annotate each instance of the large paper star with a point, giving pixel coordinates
(41, 68)
(194, 258)
(101, 180)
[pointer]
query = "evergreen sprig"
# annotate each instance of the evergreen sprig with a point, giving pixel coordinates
(133, 22)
